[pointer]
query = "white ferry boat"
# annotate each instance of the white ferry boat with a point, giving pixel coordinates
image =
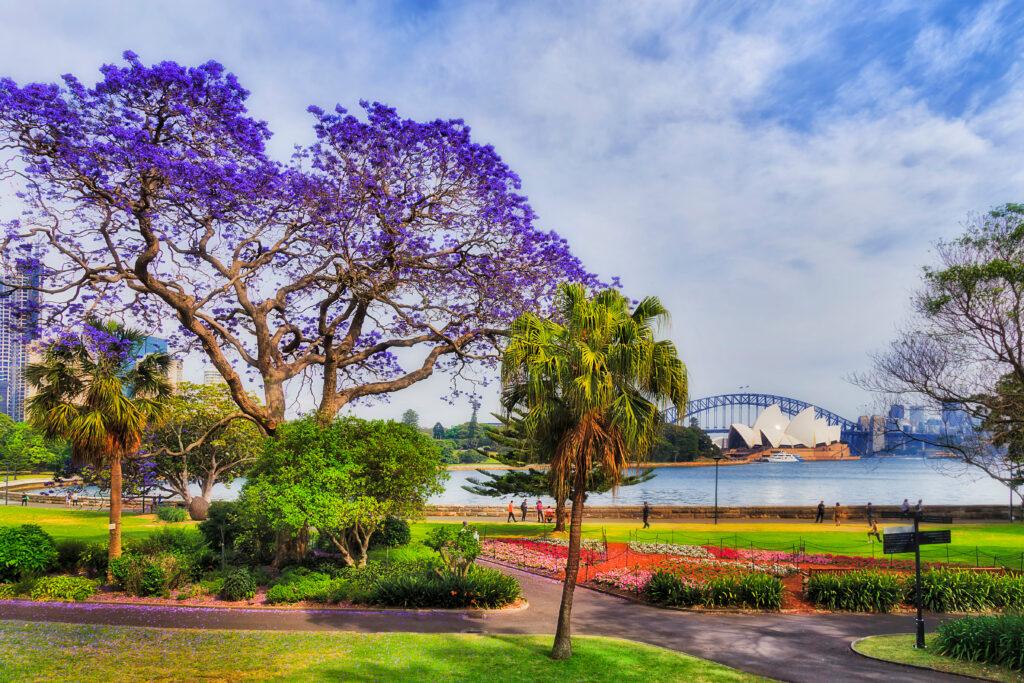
(782, 456)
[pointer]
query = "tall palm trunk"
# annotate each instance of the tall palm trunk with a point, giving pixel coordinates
(114, 550)
(563, 635)
(560, 513)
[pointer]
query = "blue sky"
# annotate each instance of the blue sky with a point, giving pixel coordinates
(776, 172)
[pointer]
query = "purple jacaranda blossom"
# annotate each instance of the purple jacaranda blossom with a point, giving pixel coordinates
(384, 250)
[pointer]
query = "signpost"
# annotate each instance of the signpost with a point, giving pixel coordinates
(904, 539)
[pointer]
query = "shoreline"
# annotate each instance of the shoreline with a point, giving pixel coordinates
(461, 467)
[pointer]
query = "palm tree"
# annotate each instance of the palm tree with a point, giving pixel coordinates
(591, 383)
(94, 391)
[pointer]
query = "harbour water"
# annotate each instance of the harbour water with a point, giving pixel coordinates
(882, 481)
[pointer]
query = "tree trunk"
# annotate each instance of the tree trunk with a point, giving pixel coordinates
(563, 634)
(114, 549)
(560, 514)
(198, 508)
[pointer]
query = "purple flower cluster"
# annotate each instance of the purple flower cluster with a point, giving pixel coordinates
(156, 200)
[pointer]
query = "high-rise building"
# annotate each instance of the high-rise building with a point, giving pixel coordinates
(160, 345)
(19, 320)
(213, 377)
(897, 411)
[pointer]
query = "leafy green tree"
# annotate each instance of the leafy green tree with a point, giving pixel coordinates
(411, 418)
(533, 482)
(962, 351)
(682, 444)
(25, 448)
(590, 381)
(96, 392)
(342, 479)
(439, 432)
(183, 457)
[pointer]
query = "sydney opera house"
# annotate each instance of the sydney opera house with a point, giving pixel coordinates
(804, 435)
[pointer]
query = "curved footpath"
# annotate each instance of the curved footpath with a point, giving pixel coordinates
(787, 647)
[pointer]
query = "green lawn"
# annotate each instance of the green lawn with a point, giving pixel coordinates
(32, 651)
(89, 525)
(901, 649)
(1003, 541)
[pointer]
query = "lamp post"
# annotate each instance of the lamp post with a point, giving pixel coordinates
(718, 458)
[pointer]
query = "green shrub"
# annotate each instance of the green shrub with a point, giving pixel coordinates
(69, 588)
(138, 575)
(171, 513)
(669, 590)
(480, 587)
(239, 584)
(93, 559)
(858, 591)
(955, 590)
(761, 591)
(995, 640)
(458, 546)
(7, 591)
(177, 569)
(1008, 592)
(69, 553)
(244, 542)
(722, 592)
(472, 457)
(25, 550)
(305, 586)
(187, 544)
(393, 533)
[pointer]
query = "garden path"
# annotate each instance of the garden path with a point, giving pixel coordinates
(789, 647)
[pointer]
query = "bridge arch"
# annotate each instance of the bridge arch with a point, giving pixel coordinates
(716, 413)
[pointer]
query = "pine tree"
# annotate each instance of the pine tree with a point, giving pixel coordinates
(439, 432)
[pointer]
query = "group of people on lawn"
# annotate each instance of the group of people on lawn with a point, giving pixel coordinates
(837, 515)
(544, 514)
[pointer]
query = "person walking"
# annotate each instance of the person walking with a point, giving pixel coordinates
(837, 514)
(870, 513)
(873, 531)
(67, 499)
(905, 508)
(74, 499)
(24, 499)
(919, 508)
(540, 511)
(820, 517)
(511, 511)
(646, 512)
(524, 507)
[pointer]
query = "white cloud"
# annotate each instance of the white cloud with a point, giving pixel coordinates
(631, 126)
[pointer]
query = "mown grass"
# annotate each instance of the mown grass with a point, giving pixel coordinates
(1002, 540)
(900, 649)
(88, 525)
(32, 651)
(972, 543)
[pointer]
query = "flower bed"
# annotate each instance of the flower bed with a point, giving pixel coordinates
(521, 555)
(625, 579)
(591, 544)
(671, 549)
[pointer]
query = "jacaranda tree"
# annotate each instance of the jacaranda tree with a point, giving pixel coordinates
(591, 383)
(96, 391)
(383, 250)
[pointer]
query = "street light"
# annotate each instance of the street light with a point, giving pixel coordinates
(718, 458)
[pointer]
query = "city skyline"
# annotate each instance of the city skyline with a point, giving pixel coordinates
(779, 174)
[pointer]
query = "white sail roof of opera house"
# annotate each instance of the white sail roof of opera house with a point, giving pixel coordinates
(774, 429)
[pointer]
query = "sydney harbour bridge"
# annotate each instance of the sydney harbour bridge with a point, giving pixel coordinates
(714, 414)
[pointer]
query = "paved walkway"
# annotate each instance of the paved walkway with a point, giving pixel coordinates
(810, 648)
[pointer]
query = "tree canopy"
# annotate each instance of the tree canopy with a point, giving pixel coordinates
(154, 197)
(963, 349)
(182, 458)
(342, 480)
